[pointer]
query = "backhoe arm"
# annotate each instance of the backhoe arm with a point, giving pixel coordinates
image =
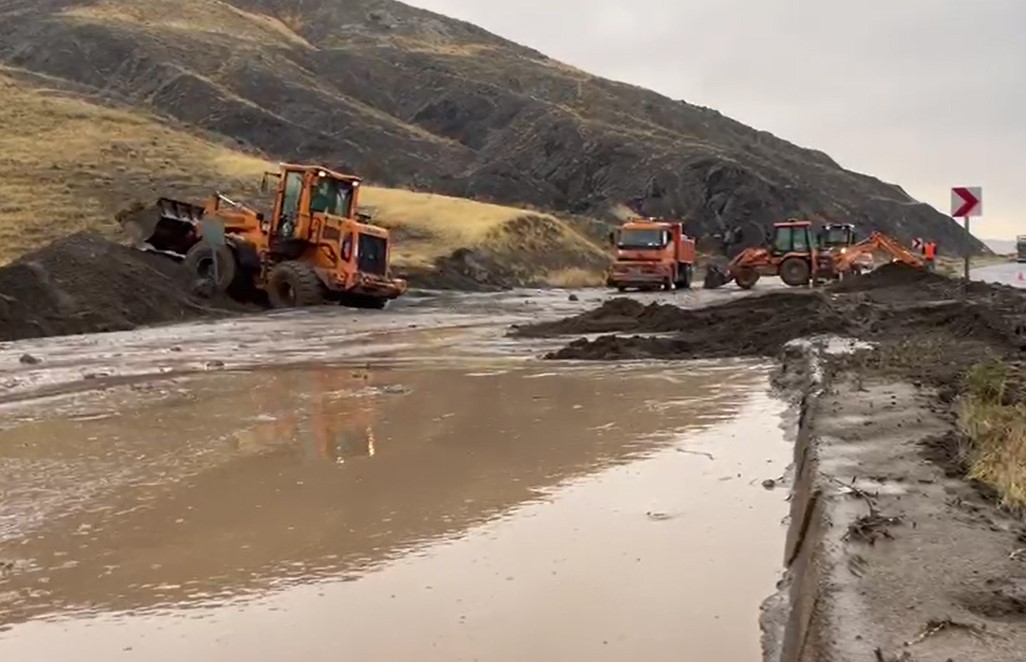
(874, 243)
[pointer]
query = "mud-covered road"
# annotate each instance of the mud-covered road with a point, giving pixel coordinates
(410, 483)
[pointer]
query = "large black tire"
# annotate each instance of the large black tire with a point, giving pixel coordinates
(685, 275)
(199, 262)
(746, 278)
(794, 271)
(294, 284)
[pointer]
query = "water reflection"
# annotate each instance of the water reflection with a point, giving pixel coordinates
(230, 485)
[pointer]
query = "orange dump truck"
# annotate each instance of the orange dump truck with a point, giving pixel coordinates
(652, 254)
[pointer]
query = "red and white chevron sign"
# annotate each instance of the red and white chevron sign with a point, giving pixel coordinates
(966, 201)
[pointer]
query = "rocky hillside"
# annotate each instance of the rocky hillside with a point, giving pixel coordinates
(409, 98)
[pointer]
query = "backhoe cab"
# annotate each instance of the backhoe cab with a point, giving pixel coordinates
(310, 249)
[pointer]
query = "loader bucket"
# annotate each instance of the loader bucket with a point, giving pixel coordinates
(168, 226)
(716, 276)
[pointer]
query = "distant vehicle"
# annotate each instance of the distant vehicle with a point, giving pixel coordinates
(652, 254)
(1020, 248)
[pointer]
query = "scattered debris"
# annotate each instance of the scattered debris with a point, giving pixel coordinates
(28, 359)
(870, 528)
(691, 452)
(934, 627)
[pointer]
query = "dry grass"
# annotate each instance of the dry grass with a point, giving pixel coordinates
(219, 20)
(70, 164)
(428, 226)
(996, 430)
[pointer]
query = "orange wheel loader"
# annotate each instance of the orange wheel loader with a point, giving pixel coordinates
(310, 250)
(651, 254)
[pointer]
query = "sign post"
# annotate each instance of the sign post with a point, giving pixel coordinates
(966, 202)
(213, 234)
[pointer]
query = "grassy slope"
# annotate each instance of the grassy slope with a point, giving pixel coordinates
(70, 164)
(995, 426)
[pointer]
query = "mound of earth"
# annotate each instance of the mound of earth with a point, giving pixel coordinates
(768, 322)
(924, 318)
(86, 284)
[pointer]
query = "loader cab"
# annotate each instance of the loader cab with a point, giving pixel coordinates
(306, 191)
(793, 237)
(837, 236)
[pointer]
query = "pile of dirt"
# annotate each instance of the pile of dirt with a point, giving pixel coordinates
(86, 284)
(748, 327)
(894, 274)
(620, 314)
(918, 308)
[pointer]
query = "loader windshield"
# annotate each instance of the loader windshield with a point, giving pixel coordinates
(331, 196)
(835, 237)
(642, 238)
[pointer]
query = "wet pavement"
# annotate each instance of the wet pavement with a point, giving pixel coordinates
(1011, 273)
(444, 497)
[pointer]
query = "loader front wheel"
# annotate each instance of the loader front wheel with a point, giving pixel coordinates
(746, 278)
(294, 285)
(795, 272)
(199, 262)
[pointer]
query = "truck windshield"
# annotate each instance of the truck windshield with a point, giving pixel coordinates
(642, 238)
(331, 196)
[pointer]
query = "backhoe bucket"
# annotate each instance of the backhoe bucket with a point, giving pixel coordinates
(167, 226)
(716, 276)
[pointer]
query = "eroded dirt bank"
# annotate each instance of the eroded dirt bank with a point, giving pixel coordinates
(891, 555)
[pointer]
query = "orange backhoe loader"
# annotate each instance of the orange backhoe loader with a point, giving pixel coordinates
(651, 254)
(838, 238)
(312, 249)
(793, 253)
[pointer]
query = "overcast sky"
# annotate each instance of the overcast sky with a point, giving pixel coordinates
(928, 94)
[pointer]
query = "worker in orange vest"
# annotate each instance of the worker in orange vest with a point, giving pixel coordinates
(930, 254)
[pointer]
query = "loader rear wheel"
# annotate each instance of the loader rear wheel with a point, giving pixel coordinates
(294, 284)
(795, 272)
(199, 261)
(746, 278)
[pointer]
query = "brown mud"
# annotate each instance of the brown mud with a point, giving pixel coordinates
(86, 284)
(894, 305)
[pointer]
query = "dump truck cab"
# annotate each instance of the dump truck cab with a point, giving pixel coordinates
(651, 254)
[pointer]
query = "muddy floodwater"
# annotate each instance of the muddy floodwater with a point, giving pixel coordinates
(497, 511)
